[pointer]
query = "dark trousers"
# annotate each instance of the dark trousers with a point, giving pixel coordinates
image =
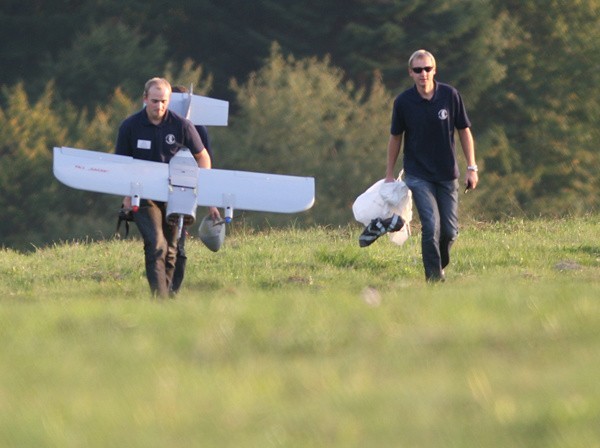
(180, 263)
(160, 245)
(437, 205)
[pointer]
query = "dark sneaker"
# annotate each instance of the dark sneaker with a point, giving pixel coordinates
(437, 278)
(378, 227)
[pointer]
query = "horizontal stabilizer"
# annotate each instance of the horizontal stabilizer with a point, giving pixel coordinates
(200, 110)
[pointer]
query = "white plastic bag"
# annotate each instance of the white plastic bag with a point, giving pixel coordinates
(370, 205)
(382, 200)
(404, 209)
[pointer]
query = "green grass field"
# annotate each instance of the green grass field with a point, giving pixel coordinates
(299, 338)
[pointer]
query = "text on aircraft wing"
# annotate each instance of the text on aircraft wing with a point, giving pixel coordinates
(200, 110)
(111, 173)
(255, 191)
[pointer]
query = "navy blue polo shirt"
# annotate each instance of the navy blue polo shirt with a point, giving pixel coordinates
(428, 127)
(141, 139)
(203, 132)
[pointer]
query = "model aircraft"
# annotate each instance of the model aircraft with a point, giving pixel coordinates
(182, 184)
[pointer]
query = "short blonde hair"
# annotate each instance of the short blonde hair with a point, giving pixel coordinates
(420, 54)
(160, 82)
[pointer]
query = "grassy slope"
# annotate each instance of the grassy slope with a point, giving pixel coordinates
(300, 338)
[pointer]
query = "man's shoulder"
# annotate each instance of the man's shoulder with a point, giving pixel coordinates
(407, 98)
(201, 130)
(446, 88)
(175, 118)
(134, 119)
(408, 94)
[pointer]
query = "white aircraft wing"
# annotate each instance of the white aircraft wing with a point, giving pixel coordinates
(200, 110)
(255, 191)
(111, 173)
(126, 176)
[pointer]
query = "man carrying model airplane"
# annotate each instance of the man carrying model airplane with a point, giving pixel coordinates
(156, 134)
(163, 168)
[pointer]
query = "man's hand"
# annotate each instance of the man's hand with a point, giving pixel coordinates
(214, 214)
(127, 203)
(471, 180)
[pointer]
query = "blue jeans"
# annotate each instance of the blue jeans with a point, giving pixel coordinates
(437, 205)
(160, 245)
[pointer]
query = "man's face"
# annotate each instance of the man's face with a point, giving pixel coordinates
(422, 64)
(157, 102)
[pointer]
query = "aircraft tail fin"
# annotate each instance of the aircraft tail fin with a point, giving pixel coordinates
(200, 110)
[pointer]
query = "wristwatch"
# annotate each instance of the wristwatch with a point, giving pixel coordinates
(472, 168)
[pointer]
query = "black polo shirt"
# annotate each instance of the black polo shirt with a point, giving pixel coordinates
(428, 127)
(141, 139)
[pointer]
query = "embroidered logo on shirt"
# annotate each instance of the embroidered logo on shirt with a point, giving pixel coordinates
(443, 114)
(170, 139)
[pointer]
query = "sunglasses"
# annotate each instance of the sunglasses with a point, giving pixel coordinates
(420, 69)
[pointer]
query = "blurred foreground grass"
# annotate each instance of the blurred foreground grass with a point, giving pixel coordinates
(299, 338)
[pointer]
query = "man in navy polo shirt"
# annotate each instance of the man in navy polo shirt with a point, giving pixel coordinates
(155, 133)
(427, 115)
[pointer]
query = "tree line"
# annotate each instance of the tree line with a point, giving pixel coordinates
(311, 87)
